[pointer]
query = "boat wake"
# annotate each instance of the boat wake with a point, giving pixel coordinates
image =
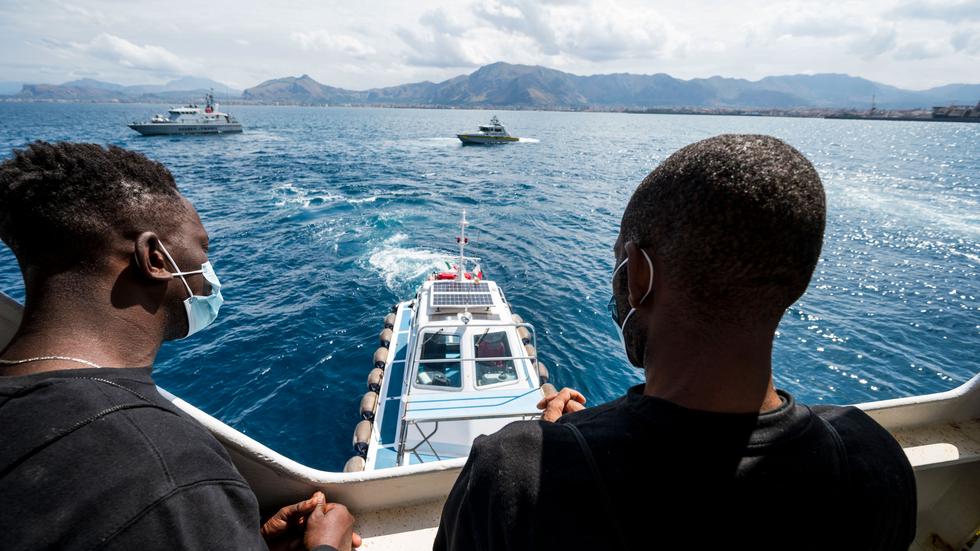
(287, 193)
(528, 140)
(404, 267)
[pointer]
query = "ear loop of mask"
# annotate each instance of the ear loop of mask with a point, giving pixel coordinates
(649, 284)
(621, 327)
(179, 273)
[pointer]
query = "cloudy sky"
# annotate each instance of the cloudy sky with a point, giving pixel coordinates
(910, 43)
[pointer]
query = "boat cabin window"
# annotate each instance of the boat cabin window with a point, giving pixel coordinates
(436, 365)
(492, 350)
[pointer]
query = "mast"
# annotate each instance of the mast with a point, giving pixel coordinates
(461, 269)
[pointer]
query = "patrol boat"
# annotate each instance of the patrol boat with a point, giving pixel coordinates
(453, 363)
(493, 133)
(190, 119)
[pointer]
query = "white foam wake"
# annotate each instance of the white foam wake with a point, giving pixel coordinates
(403, 267)
(287, 193)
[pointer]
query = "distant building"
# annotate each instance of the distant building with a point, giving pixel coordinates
(957, 112)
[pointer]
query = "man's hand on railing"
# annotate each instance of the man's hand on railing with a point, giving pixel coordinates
(566, 401)
(313, 522)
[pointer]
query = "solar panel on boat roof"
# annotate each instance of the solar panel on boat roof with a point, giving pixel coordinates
(458, 294)
(460, 287)
(462, 299)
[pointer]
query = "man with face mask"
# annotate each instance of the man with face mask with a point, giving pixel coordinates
(115, 261)
(714, 246)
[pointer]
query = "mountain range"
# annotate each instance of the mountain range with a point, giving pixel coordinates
(535, 87)
(87, 89)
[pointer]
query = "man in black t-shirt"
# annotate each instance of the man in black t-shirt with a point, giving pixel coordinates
(115, 261)
(714, 245)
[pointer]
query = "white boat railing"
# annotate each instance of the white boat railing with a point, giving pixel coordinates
(436, 420)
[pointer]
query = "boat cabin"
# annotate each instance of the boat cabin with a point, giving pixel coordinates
(192, 114)
(467, 366)
(494, 128)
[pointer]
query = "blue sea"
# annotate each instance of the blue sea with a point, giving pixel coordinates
(322, 218)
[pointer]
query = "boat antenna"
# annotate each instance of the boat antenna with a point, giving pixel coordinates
(461, 271)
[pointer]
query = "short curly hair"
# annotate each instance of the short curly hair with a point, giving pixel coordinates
(61, 203)
(737, 221)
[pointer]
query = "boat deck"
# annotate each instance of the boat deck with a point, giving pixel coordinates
(384, 452)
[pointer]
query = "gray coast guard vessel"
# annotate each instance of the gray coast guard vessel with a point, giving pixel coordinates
(190, 119)
(493, 133)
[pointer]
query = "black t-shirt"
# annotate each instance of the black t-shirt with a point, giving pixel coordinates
(97, 459)
(816, 478)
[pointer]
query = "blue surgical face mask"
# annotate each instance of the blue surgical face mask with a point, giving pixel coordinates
(614, 311)
(201, 310)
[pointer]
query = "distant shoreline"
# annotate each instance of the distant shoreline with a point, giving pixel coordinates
(905, 115)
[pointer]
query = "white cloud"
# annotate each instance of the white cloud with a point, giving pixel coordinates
(441, 21)
(128, 54)
(324, 41)
(951, 11)
(525, 17)
(816, 26)
(607, 31)
(922, 49)
(872, 45)
(591, 31)
(967, 41)
(435, 48)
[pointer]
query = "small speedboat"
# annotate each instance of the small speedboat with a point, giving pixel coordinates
(453, 363)
(493, 133)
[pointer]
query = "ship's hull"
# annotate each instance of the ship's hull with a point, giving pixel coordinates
(485, 140)
(168, 129)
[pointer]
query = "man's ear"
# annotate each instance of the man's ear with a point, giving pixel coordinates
(150, 259)
(639, 278)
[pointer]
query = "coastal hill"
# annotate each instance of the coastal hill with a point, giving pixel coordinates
(527, 86)
(536, 87)
(300, 90)
(86, 89)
